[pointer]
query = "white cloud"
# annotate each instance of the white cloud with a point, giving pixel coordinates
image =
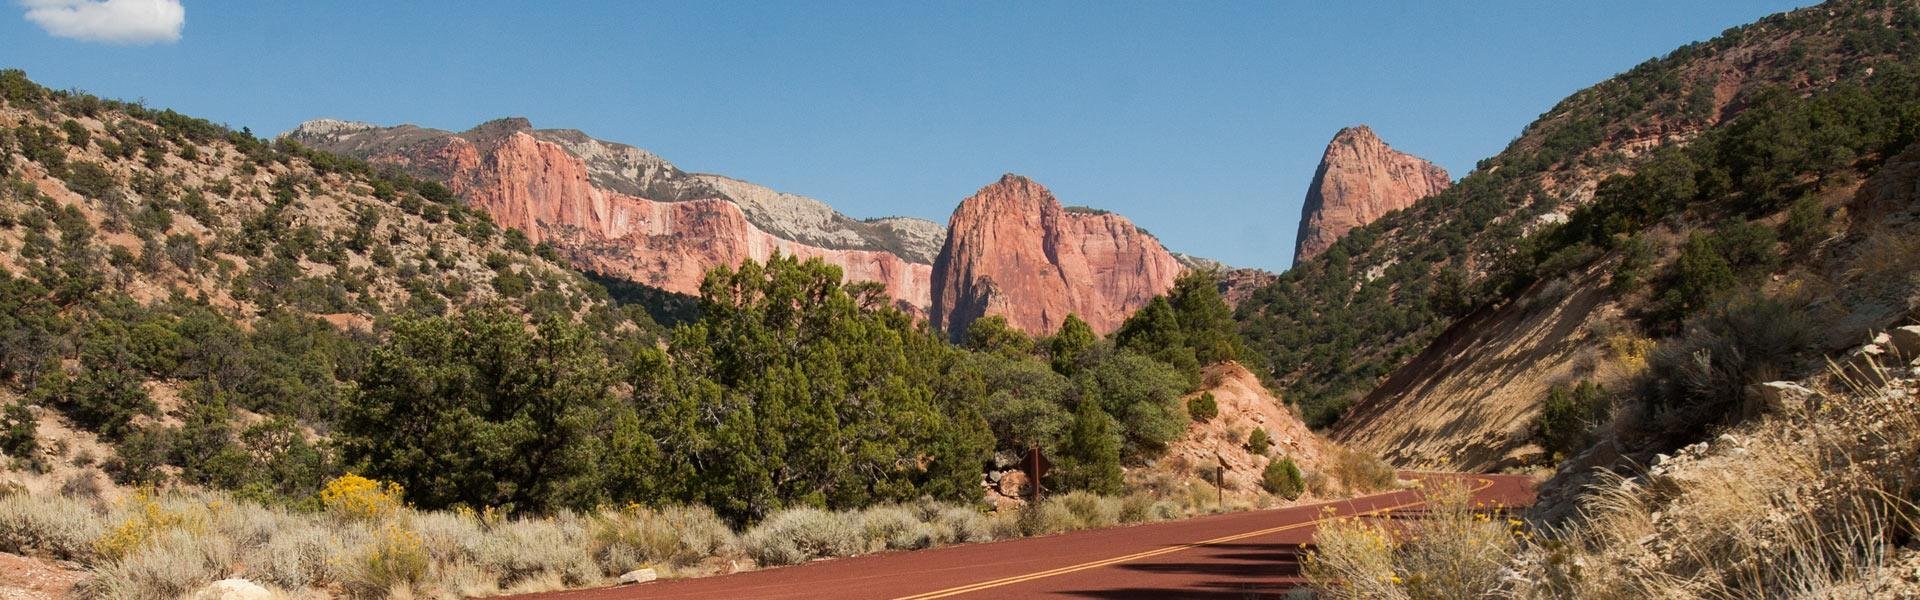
(111, 21)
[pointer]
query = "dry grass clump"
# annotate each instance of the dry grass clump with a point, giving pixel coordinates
(1091, 511)
(897, 528)
(964, 525)
(173, 563)
(670, 536)
(1456, 551)
(1361, 472)
(798, 535)
(1045, 518)
(52, 526)
(538, 549)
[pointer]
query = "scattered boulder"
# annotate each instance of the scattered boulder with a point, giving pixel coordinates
(233, 589)
(639, 576)
(1781, 396)
(1905, 341)
(1868, 363)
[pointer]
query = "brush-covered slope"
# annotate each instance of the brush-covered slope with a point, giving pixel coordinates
(618, 210)
(157, 269)
(1333, 328)
(1748, 250)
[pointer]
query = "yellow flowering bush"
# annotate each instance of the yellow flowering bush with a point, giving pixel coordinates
(147, 519)
(396, 558)
(355, 497)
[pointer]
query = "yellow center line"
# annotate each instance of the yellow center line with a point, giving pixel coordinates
(955, 591)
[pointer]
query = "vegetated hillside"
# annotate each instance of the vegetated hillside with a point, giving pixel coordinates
(1747, 252)
(1331, 329)
(165, 281)
(1244, 435)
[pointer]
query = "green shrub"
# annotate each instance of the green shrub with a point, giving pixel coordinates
(1045, 518)
(1700, 378)
(18, 432)
(1282, 478)
(1636, 263)
(964, 525)
(1258, 441)
(1091, 511)
(1203, 408)
(1568, 417)
(1806, 225)
(895, 528)
(91, 180)
(76, 133)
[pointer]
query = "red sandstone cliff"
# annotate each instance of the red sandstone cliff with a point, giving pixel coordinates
(1013, 251)
(1360, 179)
(616, 210)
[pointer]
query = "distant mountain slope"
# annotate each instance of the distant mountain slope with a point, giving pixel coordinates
(1333, 327)
(622, 211)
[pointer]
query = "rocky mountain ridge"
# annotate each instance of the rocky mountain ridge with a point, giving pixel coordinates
(619, 210)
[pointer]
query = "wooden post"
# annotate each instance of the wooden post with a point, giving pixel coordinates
(1219, 484)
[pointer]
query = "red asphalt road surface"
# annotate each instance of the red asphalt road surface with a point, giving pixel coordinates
(1233, 556)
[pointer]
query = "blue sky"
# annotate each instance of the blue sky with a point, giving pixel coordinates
(1201, 122)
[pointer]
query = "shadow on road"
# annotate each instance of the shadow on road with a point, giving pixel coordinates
(1224, 571)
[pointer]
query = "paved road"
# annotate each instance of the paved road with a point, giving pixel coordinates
(1234, 556)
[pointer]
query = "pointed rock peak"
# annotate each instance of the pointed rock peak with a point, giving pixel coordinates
(1013, 250)
(1360, 179)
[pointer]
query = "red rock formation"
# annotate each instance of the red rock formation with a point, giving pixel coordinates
(1360, 179)
(541, 189)
(1013, 251)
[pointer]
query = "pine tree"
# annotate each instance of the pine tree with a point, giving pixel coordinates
(1066, 347)
(1090, 456)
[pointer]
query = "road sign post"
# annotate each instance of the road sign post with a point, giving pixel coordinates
(1036, 465)
(1219, 485)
